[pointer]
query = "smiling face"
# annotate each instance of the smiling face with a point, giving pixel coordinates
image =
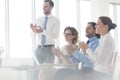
(47, 8)
(68, 35)
(101, 28)
(71, 35)
(90, 31)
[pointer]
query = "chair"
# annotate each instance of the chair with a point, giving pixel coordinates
(114, 65)
(1, 51)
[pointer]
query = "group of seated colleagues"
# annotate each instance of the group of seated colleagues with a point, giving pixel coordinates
(70, 53)
(96, 55)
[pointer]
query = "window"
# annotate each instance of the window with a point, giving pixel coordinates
(118, 26)
(2, 24)
(114, 14)
(85, 8)
(68, 16)
(20, 18)
(39, 8)
(111, 16)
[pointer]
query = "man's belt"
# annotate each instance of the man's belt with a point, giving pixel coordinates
(46, 45)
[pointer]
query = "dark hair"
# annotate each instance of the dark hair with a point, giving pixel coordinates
(74, 33)
(93, 24)
(94, 27)
(107, 21)
(50, 2)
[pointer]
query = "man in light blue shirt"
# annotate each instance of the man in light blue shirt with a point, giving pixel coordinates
(93, 41)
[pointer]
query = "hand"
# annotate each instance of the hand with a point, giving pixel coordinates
(33, 27)
(36, 28)
(40, 30)
(55, 51)
(83, 46)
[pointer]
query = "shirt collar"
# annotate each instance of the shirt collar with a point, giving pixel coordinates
(49, 16)
(107, 34)
(92, 38)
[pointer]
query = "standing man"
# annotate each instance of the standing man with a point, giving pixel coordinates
(47, 30)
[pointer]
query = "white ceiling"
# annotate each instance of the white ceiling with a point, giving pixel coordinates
(115, 1)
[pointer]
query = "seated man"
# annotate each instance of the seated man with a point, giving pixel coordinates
(93, 41)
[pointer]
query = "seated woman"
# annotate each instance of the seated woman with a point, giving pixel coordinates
(102, 57)
(65, 55)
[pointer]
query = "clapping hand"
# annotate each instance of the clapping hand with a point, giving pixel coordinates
(33, 27)
(55, 51)
(83, 46)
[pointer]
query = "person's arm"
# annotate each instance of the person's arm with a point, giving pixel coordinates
(91, 54)
(103, 53)
(57, 57)
(62, 56)
(94, 45)
(35, 28)
(87, 50)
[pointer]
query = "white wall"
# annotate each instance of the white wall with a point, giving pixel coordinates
(99, 8)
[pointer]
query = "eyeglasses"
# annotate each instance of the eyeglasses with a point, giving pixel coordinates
(67, 34)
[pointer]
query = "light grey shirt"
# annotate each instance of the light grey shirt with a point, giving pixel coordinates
(103, 54)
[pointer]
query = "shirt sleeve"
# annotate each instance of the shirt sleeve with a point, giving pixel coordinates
(104, 51)
(94, 45)
(91, 54)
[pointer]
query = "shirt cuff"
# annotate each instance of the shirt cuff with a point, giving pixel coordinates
(90, 54)
(88, 50)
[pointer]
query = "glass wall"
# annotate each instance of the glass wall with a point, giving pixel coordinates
(39, 8)
(85, 8)
(23, 12)
(118, 25)
(114, 14)
(67, 15)
(19, 19)
(2, 25)
(15, 36)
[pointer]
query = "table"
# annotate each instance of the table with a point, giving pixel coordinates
(31, 68)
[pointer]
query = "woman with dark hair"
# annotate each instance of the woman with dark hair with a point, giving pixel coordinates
(106, 48)
(103, 55)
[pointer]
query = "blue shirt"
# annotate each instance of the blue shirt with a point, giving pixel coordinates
(84, 58)
(72, 57)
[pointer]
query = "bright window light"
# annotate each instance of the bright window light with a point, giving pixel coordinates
(2, 24)
(20, 19)
(85, 8)
(67, 15)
